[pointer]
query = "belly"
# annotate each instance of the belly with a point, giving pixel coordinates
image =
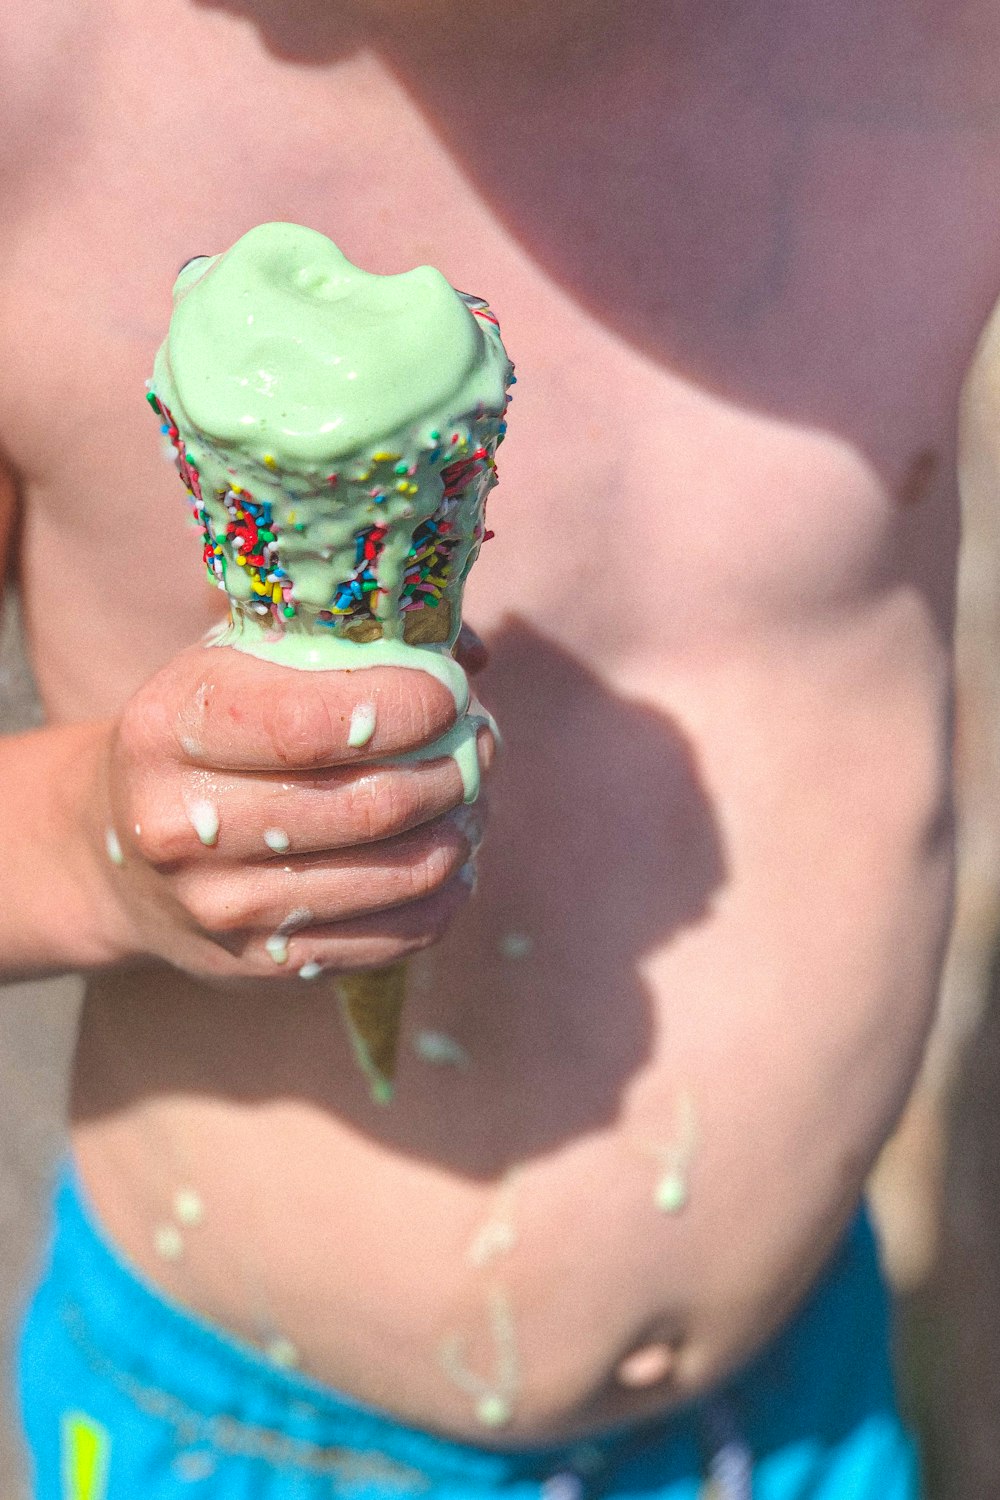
(642, 1080)
(465, 1301)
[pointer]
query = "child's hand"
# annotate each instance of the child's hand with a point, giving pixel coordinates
(247, 821)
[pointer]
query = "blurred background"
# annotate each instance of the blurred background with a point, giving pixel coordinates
(936, 1190)
(37, 1026)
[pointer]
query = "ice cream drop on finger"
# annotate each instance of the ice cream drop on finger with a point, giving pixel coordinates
(337, 431)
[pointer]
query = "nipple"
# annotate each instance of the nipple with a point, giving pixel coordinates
(646, 1366)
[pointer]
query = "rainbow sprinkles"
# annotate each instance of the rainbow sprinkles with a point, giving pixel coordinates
(252, 539)
(324, 535)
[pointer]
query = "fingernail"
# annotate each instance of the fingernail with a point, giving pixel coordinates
(481, 713)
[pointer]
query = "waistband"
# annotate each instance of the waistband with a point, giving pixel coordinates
(180, 1369)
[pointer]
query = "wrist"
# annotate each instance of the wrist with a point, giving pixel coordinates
(63, 910)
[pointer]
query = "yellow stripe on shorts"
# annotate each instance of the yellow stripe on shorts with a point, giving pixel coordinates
(86, 1448)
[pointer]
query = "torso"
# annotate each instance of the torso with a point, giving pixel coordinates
(715, 885)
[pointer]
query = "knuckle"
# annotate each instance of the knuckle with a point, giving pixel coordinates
(298, 725)
(436, 867)
(377, 807)
(213, 905)
(160, 838)
(143, 727)
(418, 707)
(387, 803)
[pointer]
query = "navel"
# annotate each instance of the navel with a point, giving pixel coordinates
(649, 1365)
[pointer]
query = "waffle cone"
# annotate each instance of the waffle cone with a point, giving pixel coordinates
(372, 1006)
(371, 1001)
(422, 627)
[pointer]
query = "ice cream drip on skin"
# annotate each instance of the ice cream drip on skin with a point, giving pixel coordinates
(672, 1190)
(282, 1353)
(277, 944)
(112, 844)
(495, 1238)
(498, 1235)
(188, 1208)
(204, 819)
(494, 1399)
(362, 725)
(168, 1242)
(301, 916)
(277, 840)
(460, 743)
(335, 654)
(188, 1213)
(277, 947)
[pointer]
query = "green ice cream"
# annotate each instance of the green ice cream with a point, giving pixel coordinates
(337, 430)
(281, 346)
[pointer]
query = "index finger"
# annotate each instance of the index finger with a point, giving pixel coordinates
(236, 712)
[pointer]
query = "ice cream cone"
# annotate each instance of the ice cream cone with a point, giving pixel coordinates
(372, 1006)
(336, 431)
(371, 1001)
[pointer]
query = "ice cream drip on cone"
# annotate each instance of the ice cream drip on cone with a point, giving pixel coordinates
(336, 431)
(371, 1003)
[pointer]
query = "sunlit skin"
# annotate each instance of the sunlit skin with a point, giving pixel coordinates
(740, 261)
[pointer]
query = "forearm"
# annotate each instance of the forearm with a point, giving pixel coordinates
(58, 909)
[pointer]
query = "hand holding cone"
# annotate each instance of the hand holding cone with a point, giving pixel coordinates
(336, 431)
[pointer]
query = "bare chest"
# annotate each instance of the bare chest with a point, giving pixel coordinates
(699, 364)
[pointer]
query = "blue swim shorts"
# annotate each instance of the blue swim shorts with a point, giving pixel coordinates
(125, 1396)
